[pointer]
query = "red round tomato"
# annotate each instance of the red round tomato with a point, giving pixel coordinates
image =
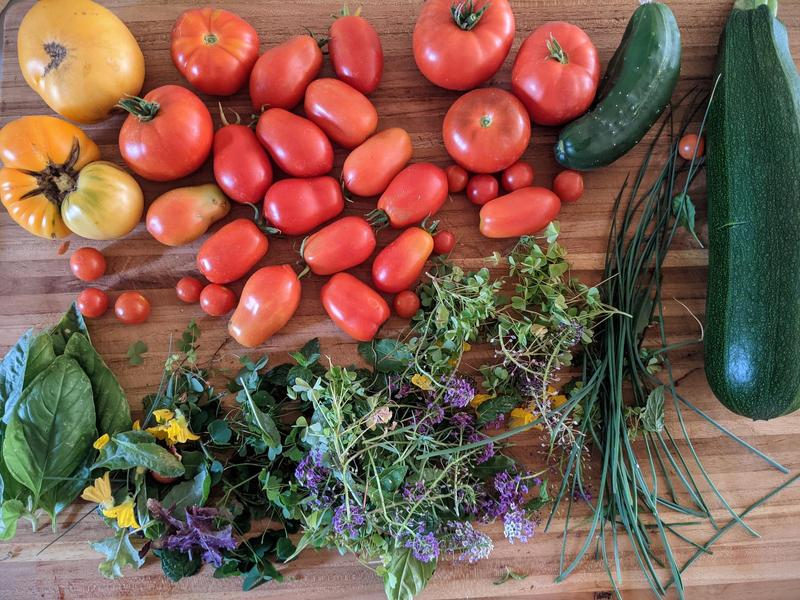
(444, 242)
(188, 289)
(217, 300)
(241, 166)
(341, 111)
(556, 73)
(418, 192)
(457, 178)
(281, 75)
(92, 303)
(518, 175)
(689, 143)
(406, 304)
(568, 186)
(269, 299)
(398, 266)
(482, 188)
(87, 264)
(214, 49)
(459, 45)
(232, 251)
(296, 206)
(369, 169)
(355, 51)
(132, 308)
(522, 212)
(342, 245)
(354, 307)
(298, 146)
(486, 130)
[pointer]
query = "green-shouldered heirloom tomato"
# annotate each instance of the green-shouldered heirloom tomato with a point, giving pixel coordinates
(281, 75)
(341, 111)
(296, 206)
(355, 51)
(416, 193)
(182, 215)
(354, 307)
(369, 169)
(241, 165)
(298, 146)
(229, 253)
(522, 212)
(342, 245)
(398, 266)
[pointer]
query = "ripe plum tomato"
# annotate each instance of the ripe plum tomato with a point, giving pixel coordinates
(482, 188)
(342, 245)
(354, 307)
(518, 175)
(355, 51)
(241, 165)
(522, 212)
(369, 169)
(298, 146)
(418, 192)
(87, 264)
(281, 75)
(296, 206)
(406, 304)
(457, 178)
(188, 289)
(556, 73)
(217, 300)
(232, 251)
(341, 111)
(132, 308)
(214, 49)
(184, 214)
(568, 186)
(687, 145)
(398, 266)
(444, 242)
(486, 130)
(92, 303)
(460, 45)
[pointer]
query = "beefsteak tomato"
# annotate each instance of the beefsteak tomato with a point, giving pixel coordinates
(354, 307)
(182, 215)
(342, 245)
(369, 169)
(415, 194)
(298, 146)
(232, 251)
(522, 212)
(341, 111)
(296, 206)
(241, 165)
(281, 75)
(355, 51)
(398, 266)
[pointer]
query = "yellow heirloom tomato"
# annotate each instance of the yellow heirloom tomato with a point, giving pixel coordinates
(79, 57)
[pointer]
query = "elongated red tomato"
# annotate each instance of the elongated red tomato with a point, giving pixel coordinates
(418, 192)
(398, 266)
(369, 169)
(355, 51)
(241, 165)
(341, 111)
(296, 206)
(269, 299)
(281, 75)
(298, 146)
(232, 251)
(522, 212)
(354, 307)
(342, 245)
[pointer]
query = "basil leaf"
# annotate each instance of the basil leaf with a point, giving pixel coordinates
(494, 407)
(10, 512)
(137, 449)
(188, 493)
(119, 552)
(40, 355)
(386, 355)
(60, 496)
(12, 374)
(493, 466)
(71, 322)
(284, 549)
(404, 577)
(176, 564)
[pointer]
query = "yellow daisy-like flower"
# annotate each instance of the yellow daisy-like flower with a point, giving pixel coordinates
(163, 415)
(123, 513)
(137, 426)
(101, 441)
(100, 491)
(522, 416)
(479, 399)
(467, 347)
(422, 382)
(175, 430)
(559, 400)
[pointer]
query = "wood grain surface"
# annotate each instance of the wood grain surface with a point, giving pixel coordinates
(36, 286)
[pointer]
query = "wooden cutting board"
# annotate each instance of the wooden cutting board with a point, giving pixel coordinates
(36, 286)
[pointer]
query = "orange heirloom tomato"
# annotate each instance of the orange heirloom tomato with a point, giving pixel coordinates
(298, 146)
(522, 212)
(355, 51)
(369, 169)
(281, 75)
(296, 206)
(354, 307)
(418, 192)
(214, 49)
(341, 111)
(343, 244)
(182, 215)
(398, 266)
(269, 299)
(232, 251)
(241, 165)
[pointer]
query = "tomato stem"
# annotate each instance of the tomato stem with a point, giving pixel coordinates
(486, 120)
(224, 120)
(377, 219)
(210, 39)
(306, 270)
(139, 107)
(556, 51)
(56, 182)
(465, 15)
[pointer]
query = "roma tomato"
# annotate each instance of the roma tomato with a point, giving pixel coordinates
(355, 51)
(486, 130)
(341, 111)
(518, 175)
(232, 251)
(217, 300)
(354, 307)
(689, 143)
(92, 303)
(182, 215)
(298, 146)
(343, 244)
(369, 169)
(416, 193)
(188, 289)
(167, 135)
(296, 206)
(556, 73)
(568, 186)
(398, 266)
(269, 299)
(281, 75)
(482, 188)
(444, 242)
(406, 304)
(459, 45)
(87, 264)
(457, 178)
(132, 308)
(241, 165)
(522, 212)
(214, 49)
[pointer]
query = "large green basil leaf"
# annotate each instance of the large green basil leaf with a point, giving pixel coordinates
(386, 355)
(404, 577)
(71, 322)
(10, 512)
(60, 496)
(193, 492)
(12, 374)
(137, 449)
(119, 552)
(40, 355)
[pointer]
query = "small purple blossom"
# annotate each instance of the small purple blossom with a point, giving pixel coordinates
(460, 391)
(497, 423)
(582, 495)
(516, 526)
(470, 545)
(313, 475)
(414, 492)
(435, 413)
(537, 481)
(508, 495)
(424, 547)
(463, 420)
(487, 451)
(347, 520)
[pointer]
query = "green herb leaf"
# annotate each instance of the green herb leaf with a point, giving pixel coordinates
(188, 493)
(494, 407)
(138, 449)
(493, 466)
(653, 414)
(551, 231)
(135, 352)
(10, 512)
(12, 374)
(40, 356)
(220, 431)
(284, 548)
(684, 210)
(508, 575)
(404, 577)
(119, 553)
(308, 354)
(262, 572)
(71, 322)
(176, 565)
(386, 355)
(541, 501)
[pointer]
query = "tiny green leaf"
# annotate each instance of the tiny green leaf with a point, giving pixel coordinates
(135, 352)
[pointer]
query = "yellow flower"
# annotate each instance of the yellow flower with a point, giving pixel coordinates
(479, 399)
(123, 513)
(163, 415)
(522, 416)
(422, 382)
(467, 347)
(175, 430)
(101, 441)
(100, 492)
(559, 400)
(136, 425)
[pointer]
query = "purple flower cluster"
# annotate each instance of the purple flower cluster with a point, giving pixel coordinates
(487, 451)
(424, 546)
(315, 477)
(508, 495)
(414, 492)
(348, 520)
(516, 526)
(463, 420)
(460, 391)
(573, 332)
(470, 545)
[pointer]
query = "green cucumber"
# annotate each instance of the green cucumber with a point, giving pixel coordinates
(752, 347)
(635, 90)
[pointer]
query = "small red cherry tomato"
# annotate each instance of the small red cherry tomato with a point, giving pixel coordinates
(188, 289)
(241, 165)
(298, 146)
(418, 192)
(132, 308)
(355, 51)
(518, 175)
(281, 75)
(522, 212)
(688, 144)
(568, 186)
(457, 178)
(369, 169)
(342, 245)
(92, 303)
(354, 307)
(296, 206)
(341, 111)
(482, 188)
(398, 266)
(232, 251)
(444, 242)
(217, 300)
(406, 304)
(87, 264)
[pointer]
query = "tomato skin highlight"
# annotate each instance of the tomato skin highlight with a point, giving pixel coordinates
(182, 215)
(354, 307)
(406, 304)
(444, 242)
(217, 300)
(518, 175)
(281, 75)
(298, 146)
(482, 188)
(356, 53)
(416, 193)
(369, 169)
(296, 206)
(687, 145)
(188, 289)
(522, 212)
(232, 251)
(457, 178)
(241, 165)
(87, 264)
(132, 308)
(398, 266)
(342, 245)
(92, 303)
(269, 299)
(345, 115)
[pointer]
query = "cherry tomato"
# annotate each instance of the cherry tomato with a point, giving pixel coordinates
(556, 73)
(132, 308)
(281, 75)
(355, 51)
(398, 266)
(354, 307)
(214, 49)
(241, 166)
(482, 188)
(369, 169)
(188, 289)
(232, 251)
(687, 145)
(522, 212)
(459, 45)
(406, 304)
(457, 178)
(296, 206)
(184, 214)
(341, 111)
(87, 264)
(342, 245)
(92, 303)
(217, 300)
(415, 194)
(269, 299)
(444, 242)
(518, 175)
(568, 186)
(298, 146)
(167, 135)
(486, 130)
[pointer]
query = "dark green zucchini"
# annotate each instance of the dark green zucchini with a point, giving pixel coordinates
(752, 347)
(635, 90)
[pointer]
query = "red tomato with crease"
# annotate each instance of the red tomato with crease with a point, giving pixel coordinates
(355, 51)
(298, 146)
(418, 192)
(269, 299)
(369, 169)
(342, 245)
(217, 300)
(398, 266)
(457, 178)
(482, 188)
(518, 175)
(522, 212)
(296, 206)
(354, 307)
(241, 165)
(341, 111)
(281, 75)
(232, 251)
(214, 49)
(458, 45)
